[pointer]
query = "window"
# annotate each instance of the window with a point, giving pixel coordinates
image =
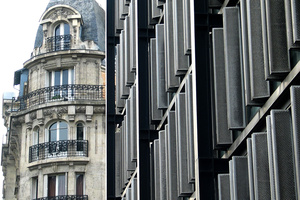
(79, 184)
(35, 136)
(80, 136)
(58, 134)
(60, 79)
(56, 185)
(34, 189)
(62, 37)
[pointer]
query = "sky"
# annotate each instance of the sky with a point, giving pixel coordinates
(19, 24)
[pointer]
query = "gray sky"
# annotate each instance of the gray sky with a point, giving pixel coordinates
(19, 24)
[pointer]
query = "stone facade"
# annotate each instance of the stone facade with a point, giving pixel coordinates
(55, 144)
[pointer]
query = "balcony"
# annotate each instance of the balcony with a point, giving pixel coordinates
(56, 149)
(58, 43)
(65, 197)
(72, 92)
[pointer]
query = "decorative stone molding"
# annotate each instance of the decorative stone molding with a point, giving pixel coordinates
(80, 109)
(33, 115)
(71, 113)
(89, 113)
(61, 110)
(49, 112)
(99, 109)
(40, 117)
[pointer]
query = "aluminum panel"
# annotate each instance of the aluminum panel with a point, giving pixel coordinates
(167, 161)
(156, 169)
(162, 164)
(128, 194)
(184, 188)
(275, 39)
(172, 82)
(270, 156)
(261, 166)
(171, 157)
(282, 154)
(231, 179)
(134, 189)
(124, 10)
(234, 96)
(296, 20)
(133, 130)
(128, 133)
(119, 25)
(155, 11)
(250, 169)
(190, 128)
(181, 61)
(162, 102)
(124, 89)
(120, 103)
(260, 88)
(129, 77)
(156, 114)
(160, 3)
(118, 161)
(187, 26)
(133, 38)
(222, 133)
(295, 111)
(224, 186)
(240, 178)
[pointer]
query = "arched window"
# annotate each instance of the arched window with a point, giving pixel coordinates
(58, 131)
(80, 136)
(62, 36)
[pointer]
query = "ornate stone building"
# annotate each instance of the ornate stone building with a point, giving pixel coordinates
(55, 142)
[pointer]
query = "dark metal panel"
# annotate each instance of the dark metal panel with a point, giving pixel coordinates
(282, 154)
(119, 25)
(162, 165)
(155, 11)
(129, 135)
(133, 130)
(240, 177)
(133, 39)
(155, 113)
(183, 186)
(181, 61)
(250, 168)
(275, 39)
(234, 95)
(223, 134)
(223, 186)
(156, 169)
(129, 77)
(260, 166)
(295, 111)
(120, 103)
(160, 65)
(118, 161)
(190, 129)
(187, 26)
(296, 20)
(172, 82)
(259, 86)
(124, 89)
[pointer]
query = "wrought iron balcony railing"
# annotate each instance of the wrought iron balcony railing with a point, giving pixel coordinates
(56, 149)
(58, 43)
(65, 197)
(70, 92)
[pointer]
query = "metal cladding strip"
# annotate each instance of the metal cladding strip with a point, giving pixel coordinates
(233, 74)
(270, 156)
(261, 166)
(181, 61)
(118, 161)
(187, 26)
(231, 179)
(129, 77)
(281, 125)
(133, 130)
(276, 38)
(133, 39)
(223, 186)
(250, 169)
(223, 135)
(160, 3)
(156, 169)
(162, 101)
(124, 89)
(162, 165)
(296, 20)
(155, 113)
(134, 189)
(119, 25)
(190, 129)
(128, 128)
(295, 111)
(172, 157)
(172, 82)
(260, 88)
(120, 103)
(155, 11)
(184, 188)
(240, 177)
(167, 162)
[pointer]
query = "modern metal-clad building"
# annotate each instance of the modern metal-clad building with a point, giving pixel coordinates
(202, 99)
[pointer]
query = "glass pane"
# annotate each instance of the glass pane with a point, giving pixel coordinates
(53, 132)
(80, 131)
(65, 77)
(36, 136)
(51, 186)
(50, 78)
(35, 188)
(57, 30)
(63, 125)
(63, 131)
(61, 185)
(66, 29)
(57, 78)
(79, 184)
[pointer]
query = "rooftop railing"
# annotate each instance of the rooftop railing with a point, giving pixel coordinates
(71, 92)
(58, 43)
(56, 149)
(65, 197)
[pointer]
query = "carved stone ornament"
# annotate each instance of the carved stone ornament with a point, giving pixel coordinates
(80, 109)
(61, 12)
(63, 109)
(33, 115)
(99, 109)
(49, 112)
